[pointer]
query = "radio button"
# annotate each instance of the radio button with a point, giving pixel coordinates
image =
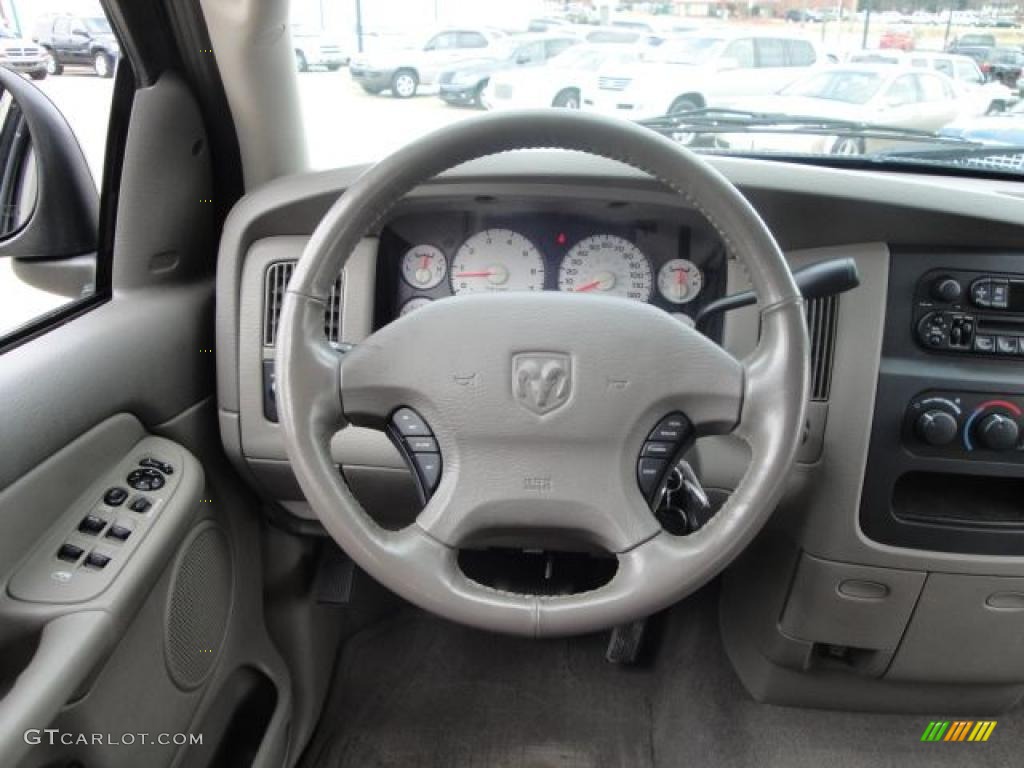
(1007, 345)
(1000, 294)
(984, 343)
(981, 292)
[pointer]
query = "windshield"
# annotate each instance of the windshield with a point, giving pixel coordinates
(365, 91)
(849, 87)
(98, 26)
(687, 50)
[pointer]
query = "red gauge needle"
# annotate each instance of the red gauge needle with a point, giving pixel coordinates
(589, 286)
(681, 277)
(473, 274)
(424, 261)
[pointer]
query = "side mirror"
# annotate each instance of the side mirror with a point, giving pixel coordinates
(523, 58)
(727, 63)
(49, 208)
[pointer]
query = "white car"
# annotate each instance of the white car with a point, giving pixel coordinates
(314, 49)
(980, 97)
(405, 70)
(712, 68)
(558, 84)
(876, 94)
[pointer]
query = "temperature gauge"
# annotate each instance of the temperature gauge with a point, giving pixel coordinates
(680, 281)
(424, 266)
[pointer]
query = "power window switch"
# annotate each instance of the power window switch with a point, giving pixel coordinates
(119, 532)
(69, 553)
(115, 497)
(97, 560)
(92, 525)
(140, 505)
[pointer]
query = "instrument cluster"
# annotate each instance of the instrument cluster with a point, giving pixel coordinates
(662, 258)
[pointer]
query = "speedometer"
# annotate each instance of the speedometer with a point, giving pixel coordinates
(497, 260)
(608, 265)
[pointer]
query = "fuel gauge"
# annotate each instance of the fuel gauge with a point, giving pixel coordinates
(424, 266)
(680, 281)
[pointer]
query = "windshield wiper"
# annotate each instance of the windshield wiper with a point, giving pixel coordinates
(712, 120)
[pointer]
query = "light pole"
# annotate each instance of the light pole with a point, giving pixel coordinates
(867, 21)
(359, 25)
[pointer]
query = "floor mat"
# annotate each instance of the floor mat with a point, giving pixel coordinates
(419, 692)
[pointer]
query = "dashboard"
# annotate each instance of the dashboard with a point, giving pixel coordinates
(647, 253)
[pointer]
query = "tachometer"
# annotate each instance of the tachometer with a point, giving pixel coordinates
(497, 260)
(680, 281)
(424, 266)
(413, 304)
(608, 265)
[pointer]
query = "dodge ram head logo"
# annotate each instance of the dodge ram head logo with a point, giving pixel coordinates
(541, 381)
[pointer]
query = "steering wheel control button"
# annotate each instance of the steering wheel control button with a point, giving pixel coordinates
(115, 497)
(97, 560)
(119, 532)
(421, 444)
(69, 553)
(674, 428)
(409, 423)
(162, 466)
(92, 525)
(428, 465)
(658, 450)
(649, 473)
(140, 505)
(145, 480)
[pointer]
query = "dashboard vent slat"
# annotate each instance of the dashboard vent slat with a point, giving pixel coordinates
(275, 282)
(822, 317)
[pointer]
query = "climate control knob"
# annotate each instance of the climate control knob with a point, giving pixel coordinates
(997, 432)
(936, 427)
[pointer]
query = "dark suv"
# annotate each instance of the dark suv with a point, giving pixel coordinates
(78, 40)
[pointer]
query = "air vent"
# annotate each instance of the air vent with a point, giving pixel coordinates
(275, 282)
(822, 315)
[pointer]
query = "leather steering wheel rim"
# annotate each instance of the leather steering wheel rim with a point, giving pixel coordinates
(761, 399)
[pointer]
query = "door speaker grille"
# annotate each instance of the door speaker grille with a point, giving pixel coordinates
(198, 606)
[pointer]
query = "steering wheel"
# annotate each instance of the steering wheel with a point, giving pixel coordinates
(541, 403)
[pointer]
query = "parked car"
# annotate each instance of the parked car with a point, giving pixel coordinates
(703, 69)
(22, 55)
(981, 97)
(314, 49)
(898, 38)
(971, 40)
(560, 82)
(1006, 128)
(798, 15)
(464, 83)
(404, 71)
(877, 94)
(1004, 65)
(78, 40)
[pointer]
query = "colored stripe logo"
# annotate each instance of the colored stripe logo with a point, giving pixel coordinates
(959, 730)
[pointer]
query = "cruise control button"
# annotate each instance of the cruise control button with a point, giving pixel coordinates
(658, 450)
(649, 473)
(421, 444)
(119, 532)
(69, 553)
(409, 424)
(140, 505)
(673, 429)
(428, 465)
(115, 497)
(92, 524)
(97, 560)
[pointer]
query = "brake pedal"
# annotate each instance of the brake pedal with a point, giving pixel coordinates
(625, 642)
